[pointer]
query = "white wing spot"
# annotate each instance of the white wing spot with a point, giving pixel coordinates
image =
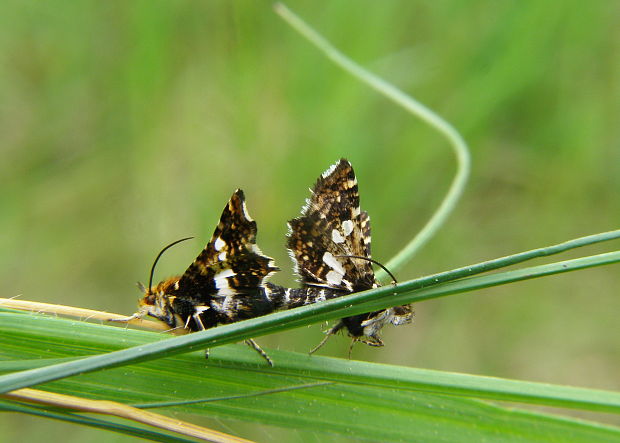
(219, 244)
(221, 278)
(331, 261)
(337, 237)
(347, 227)
(200, 309)
(334, 278)
(222, 256)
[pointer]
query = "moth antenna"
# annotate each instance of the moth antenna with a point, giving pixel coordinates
(157, 258)
(372, 261)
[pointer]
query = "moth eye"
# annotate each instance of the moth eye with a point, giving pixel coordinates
(150, 299)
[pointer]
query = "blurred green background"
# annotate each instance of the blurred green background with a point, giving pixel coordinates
(127, 125)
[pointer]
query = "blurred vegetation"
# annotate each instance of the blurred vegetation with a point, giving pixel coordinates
(127, 125)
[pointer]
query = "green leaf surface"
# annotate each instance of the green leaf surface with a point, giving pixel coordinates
(367, 301)
(363, 400)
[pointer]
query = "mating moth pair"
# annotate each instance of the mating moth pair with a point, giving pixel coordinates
(329, 244)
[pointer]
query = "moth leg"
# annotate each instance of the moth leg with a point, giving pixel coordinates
(198, 310)
(198, 321)
(137, 316)
(337, 327)
(251, 343)
(353, 341)
(202, 328)
(372, 340)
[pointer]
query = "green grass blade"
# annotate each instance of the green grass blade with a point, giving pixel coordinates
(22, 329)
(341, 307)
(418, 404)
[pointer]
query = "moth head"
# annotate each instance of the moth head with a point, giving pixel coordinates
(158, 300)
(164, 289)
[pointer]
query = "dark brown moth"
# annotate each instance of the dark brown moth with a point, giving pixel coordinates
(330, 246)
(226, 283)
(228, 280)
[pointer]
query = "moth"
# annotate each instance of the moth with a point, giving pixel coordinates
(330, 246)
(227, 282)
